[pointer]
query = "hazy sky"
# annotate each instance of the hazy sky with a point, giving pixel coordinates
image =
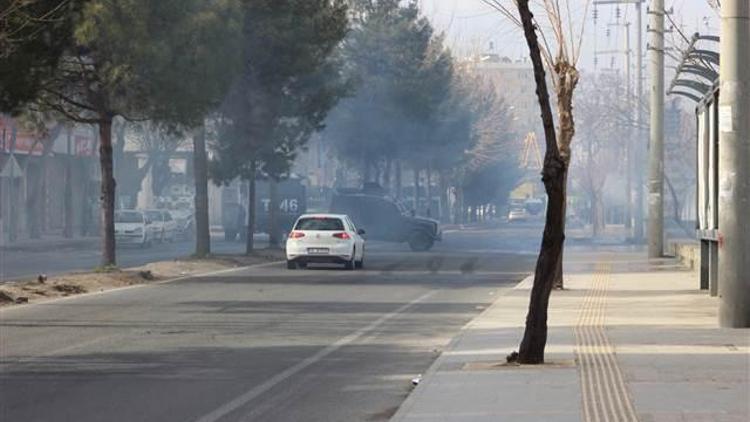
(470, 26)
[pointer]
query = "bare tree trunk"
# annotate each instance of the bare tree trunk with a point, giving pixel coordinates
(41, 216)
(366, 169)
(532, 346)
(596, 213)
(274, 240)
(416, 189)
(200, 173)
(676, 206)
(387, 174)
(568, 79)
(32, 200)
(68, 197)
(459, 211)
(43, 185)
(559, 273)
(12, 192)
(399, 181)
(428, 188)
(249, 240)
(118, 151)
(86, 205)
(443, 211)
(629, 182)
(377, 172)
(107, 191)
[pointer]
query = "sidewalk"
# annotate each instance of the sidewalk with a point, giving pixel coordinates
(628, 340)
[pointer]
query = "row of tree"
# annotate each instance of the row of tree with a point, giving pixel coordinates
(251, 81)
(259, 73)
(609, 136)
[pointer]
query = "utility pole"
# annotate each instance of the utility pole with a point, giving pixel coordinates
(656, 145)
(638, 141)
(629, 140)
(629, 147)
(734, 165)
(638, 232)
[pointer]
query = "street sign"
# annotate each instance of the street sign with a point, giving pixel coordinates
(12, 169)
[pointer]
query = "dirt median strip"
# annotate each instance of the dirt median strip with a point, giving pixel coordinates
(43, 289)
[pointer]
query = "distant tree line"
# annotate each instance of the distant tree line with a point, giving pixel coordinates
(415, 107)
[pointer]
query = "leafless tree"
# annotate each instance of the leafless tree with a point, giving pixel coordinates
(559, 53)
(599, 143)
(561, 33)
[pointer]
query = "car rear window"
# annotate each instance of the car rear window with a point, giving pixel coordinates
(319, 223)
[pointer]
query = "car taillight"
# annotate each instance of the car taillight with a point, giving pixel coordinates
(296, 235)
(342, 235)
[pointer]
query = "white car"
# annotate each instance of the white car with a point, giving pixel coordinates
(517, 214)
(164, 227)
(325, 238)
(132, 227)
(183, 219)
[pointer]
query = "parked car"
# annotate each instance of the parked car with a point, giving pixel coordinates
(164, 226)
(325, 238)
(184, 223)
(133, 227)
(387, 220)
(517, 214)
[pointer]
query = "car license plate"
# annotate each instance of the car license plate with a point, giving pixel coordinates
(317, 251)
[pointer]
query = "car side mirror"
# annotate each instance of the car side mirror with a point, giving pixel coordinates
(361, 232)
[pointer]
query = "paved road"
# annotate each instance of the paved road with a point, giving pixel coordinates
(517, 238)
(51, 261)
(259, 344)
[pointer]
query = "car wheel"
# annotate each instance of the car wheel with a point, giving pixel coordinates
(349, 265)
(360, 264)
(291, 265)
(302, 264)
(420, 242)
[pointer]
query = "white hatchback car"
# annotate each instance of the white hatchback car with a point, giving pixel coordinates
(132, 227)
(163, 225)
(325, 238)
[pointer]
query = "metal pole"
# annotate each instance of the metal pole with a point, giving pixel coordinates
(638, 232)
(656, 145)
(637, 142)
(629, 140)
(734, 165)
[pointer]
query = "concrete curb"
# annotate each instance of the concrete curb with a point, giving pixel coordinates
(427, 377)
(525, 284)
